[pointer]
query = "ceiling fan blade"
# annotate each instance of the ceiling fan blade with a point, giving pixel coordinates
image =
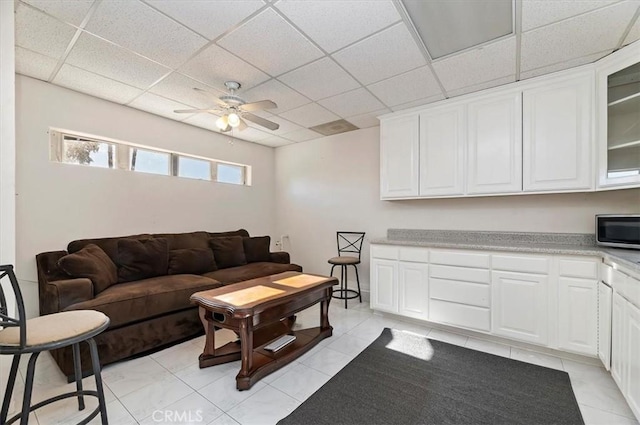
(212, 97)
(261, 121)
(258, 106)
(191, 111)
(242, 125)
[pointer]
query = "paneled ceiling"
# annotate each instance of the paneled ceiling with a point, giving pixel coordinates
(319, 60)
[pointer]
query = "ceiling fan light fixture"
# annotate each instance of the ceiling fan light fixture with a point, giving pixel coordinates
(222, 122)
(233, 119)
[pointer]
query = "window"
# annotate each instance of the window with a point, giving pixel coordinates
(74, 148)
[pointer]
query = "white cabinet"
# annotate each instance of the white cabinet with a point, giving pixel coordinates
(557, 135)
(618, 339)
(442, 142)
(384, 287)
(604, 324)
(578, 317)
(399, 156)
(632, 371)
(494, 161)
(520, 306)
(413, 289)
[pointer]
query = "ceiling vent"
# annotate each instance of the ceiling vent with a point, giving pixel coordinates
(334, 127)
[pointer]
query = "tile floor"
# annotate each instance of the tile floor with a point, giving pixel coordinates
(168, 387)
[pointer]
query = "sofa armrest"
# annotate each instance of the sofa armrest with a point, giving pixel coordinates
(71, 291)
(280, 257)
(56, 289)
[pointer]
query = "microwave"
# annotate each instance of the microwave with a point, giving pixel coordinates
(621, 231)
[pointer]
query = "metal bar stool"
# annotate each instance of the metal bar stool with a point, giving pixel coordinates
(348, 242)
(21, 336)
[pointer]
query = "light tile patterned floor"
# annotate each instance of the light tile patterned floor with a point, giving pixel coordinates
(168, 387)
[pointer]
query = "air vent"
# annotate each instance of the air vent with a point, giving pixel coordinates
(334, 127)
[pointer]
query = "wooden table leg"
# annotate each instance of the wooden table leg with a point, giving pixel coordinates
(324, 311)
(243, 381)
(210, 333)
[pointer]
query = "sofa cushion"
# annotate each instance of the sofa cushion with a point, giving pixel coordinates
(256, 249)
(191, 261)
(108, 245)
(144, 299)
(92, 263)
(241, 232)
(185, 240)
(251, 271)
(142, 259)
(228, 251)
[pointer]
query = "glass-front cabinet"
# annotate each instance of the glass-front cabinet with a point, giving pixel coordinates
(619, 118)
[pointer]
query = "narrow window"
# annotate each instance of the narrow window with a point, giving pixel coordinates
(88, 152)
(194, 168)
(230, 173)
(147, 161)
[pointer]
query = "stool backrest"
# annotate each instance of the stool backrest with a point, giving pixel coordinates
(7, 320)
(349, 242)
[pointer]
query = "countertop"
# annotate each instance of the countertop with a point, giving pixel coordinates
(542, 243)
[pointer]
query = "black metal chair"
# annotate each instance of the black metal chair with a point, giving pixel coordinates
(21, 336)
(348, 242)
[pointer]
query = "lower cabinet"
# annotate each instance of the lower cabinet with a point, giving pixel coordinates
(632, 370)
(384, 288)
(520, 306)
(413, 289)
(618, 339)
(577, 319)
(605, 294)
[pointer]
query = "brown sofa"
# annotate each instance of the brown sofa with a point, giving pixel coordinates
(145, 283)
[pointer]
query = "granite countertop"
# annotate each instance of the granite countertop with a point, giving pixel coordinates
(543, 243)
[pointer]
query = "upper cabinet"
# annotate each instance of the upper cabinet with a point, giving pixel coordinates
(557, 136)
(399, 156)
(618, 79)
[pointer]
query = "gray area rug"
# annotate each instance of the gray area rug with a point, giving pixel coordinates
(404, 378)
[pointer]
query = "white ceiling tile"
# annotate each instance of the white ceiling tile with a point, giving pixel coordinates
(413, 85)
(419, 102)
(310, 115)
(335, 24)
(563, 65)
(369, 119)
(302, 135)
(352, 103)
(146, 31)
(573, 38)
(536, 13)
(41, 33)
(481, 86)
(382, 55)
(274, 90)
(209, 18)
(101, 57)
(634, 33)
(72, 12)
(252, 135)
(214, 66)
(160, 106)
(275, 141)
(476, 66)
(181, 88)
(270, 43)
(320, 79)
(285, 126)
(206, 121)
(96, 85)
(34, 64)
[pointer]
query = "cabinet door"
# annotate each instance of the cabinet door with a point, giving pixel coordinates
(632, 370)
(557, 136)
(413, 289)
(442, 140)
(519, 307)
(399, 157)
(604, 324)
(384, 285)
(618, 340)
(578, 315)
(494, 162)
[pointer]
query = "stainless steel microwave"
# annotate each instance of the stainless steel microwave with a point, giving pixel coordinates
(621, 231)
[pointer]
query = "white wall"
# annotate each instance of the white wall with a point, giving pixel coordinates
(58, 203)
(333, 184)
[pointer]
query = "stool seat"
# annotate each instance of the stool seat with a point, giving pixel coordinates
(344, 260)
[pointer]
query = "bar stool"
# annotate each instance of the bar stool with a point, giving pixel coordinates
(348, 242)
(21, 336)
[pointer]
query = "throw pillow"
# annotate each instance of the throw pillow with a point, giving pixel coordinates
(92, 263)
(257, 248)
(228, 251)
(191, 261)
(141, 259)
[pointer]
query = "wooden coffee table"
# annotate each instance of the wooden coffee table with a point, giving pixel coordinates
(259, 311)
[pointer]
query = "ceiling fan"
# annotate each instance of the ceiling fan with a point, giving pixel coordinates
(235, 110)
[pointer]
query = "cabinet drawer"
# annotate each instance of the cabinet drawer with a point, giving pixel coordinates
(579, 268)
(522, 264)
(460, 273)
(465, 259)
(633, 291)
(605, 273)
(618, 281)
(476, 294)
(416, 255)
(388, 252)
(465, 316)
